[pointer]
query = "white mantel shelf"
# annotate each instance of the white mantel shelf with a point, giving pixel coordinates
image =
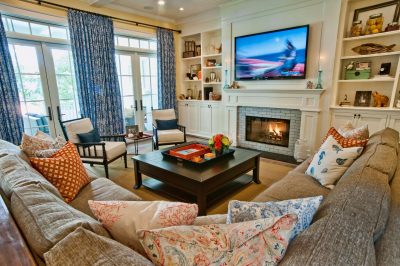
(286, 91)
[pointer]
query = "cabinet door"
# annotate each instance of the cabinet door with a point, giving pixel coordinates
(394, 122)
(216, 119)
(205, 115)
(340, 118)
(375, 122)
(182, 114)
(192, 118)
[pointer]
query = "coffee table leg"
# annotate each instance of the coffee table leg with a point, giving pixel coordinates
(256, 171)
(138, 175)
(202, 203)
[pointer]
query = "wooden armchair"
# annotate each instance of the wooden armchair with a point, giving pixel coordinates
(103, 153)
(170, 136)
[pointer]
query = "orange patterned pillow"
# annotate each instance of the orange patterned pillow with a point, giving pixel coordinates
(64, 170)
(345, 142)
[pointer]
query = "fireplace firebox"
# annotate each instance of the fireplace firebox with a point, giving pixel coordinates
(273, 131)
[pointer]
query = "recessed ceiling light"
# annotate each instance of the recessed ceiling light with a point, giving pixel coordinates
(181, 9)
(161, 2)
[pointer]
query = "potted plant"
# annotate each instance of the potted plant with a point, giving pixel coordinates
(219, 143)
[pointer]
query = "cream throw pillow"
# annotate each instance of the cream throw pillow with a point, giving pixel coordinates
(348, 131)
(331, 161)
(123, 218)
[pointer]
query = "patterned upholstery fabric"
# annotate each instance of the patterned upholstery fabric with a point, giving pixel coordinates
(331, 161)
(166, 69)
(345, 142)
(260, 242)
(210, 219)
(31, 144)
(349, 131)
(123, 218)
(10, 108)
(93, 50)
(305, 208)
(92, 250)
(45, 219)
(64, 170)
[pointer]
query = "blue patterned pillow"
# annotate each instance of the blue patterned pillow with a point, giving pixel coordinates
(305, 208)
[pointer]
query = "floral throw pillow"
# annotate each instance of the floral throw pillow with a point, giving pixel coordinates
(259, 242)
(31, 144)
(348, 131)
(305, 208)
(123, 218)
(331, 161)
(345, 142)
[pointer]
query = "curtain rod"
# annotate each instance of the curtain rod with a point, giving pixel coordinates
(136, 23)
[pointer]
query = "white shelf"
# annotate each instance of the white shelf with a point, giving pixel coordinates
(212, 83)
(213, 67)
(365, 108)
(370, 55)
(189, 80)
(212, 55)
(191, 58)
(377, 35)
(366, 80)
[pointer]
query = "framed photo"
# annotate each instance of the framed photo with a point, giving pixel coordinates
(390, 12)
(194, 69)
(363, 98)
(132, 130)
(211, 62)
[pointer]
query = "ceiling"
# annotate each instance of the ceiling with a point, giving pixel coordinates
(169, 11)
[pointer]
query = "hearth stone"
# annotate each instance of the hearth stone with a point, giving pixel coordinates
(274, 113)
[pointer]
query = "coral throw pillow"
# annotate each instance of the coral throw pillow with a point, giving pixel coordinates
(349, 131)
(331, 161)
(123, 218)
(64, 170)
(304, 208)
(345, 142)
(259, 242)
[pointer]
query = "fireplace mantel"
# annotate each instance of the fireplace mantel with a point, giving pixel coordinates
(305, 100)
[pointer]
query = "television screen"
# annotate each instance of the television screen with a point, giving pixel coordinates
(280, 54)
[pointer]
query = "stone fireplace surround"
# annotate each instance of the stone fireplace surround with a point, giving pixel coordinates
(303, 101)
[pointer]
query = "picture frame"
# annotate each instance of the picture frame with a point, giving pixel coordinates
(389, 9)
(194, 69)
(211, 62)
(363, 98)
(133, 129)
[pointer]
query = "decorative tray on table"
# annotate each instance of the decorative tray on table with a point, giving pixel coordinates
(193, 153)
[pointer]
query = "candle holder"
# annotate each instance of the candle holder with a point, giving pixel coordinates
(226, 85)
(319, 84)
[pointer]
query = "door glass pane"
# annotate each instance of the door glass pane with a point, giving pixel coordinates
(66, 85)
(30, 88)
(58, 32)
(134, 43)
(123, 41)
(148, 76)
(21, 26)
(40, 30)
(125, 78)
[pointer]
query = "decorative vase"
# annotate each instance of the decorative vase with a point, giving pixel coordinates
(219, 152)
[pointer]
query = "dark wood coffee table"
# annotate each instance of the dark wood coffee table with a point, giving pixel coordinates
(201, 185)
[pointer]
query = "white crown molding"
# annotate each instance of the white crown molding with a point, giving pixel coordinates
(207, 15)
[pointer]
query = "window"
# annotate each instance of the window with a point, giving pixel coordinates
(35, 28)
(135, 42)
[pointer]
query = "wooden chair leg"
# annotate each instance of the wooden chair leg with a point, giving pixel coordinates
(91, 165)
(126, 160)
(106, 170)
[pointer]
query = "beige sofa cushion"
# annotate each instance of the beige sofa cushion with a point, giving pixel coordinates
(170, 136)
(9, 148)
(76, 127)
(45, 219)
(16, 173)
(113, 150)
(92, 250)
(101, 189)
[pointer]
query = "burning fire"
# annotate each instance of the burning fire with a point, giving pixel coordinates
(274, 128)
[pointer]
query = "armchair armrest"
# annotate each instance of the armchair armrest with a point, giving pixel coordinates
(183, 129)
(88, 150)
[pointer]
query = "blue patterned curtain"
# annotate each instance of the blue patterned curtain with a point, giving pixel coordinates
(11, 123)
(92, 41)
(166, 69)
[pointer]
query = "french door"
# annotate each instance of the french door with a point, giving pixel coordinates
(137, 75)
(46, 84)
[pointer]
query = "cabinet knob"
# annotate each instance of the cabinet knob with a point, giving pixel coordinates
(359, 116)
(355, 115)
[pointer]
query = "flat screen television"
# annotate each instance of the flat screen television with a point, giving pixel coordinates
(279, 54)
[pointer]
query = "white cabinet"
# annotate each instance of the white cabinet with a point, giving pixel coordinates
(394, 121)
(201, 118)
(376, 121)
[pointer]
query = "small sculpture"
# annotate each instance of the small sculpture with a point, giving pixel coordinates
(345, 102)
(350, 66)
(373, 48)
(234, 85)
(310, 85)
(380, 100)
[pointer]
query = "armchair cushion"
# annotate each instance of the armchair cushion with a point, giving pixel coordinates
(170, 136)
(113, 150)
(91, 136)
(167, 124)
(78, 126)
(164, 114)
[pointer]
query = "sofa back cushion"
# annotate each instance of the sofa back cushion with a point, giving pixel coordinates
(92, 250)
(9, 148)
(16, 172)
(46, 219)
(354, 214)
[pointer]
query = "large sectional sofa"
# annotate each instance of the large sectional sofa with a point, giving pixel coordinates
(358, 222)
